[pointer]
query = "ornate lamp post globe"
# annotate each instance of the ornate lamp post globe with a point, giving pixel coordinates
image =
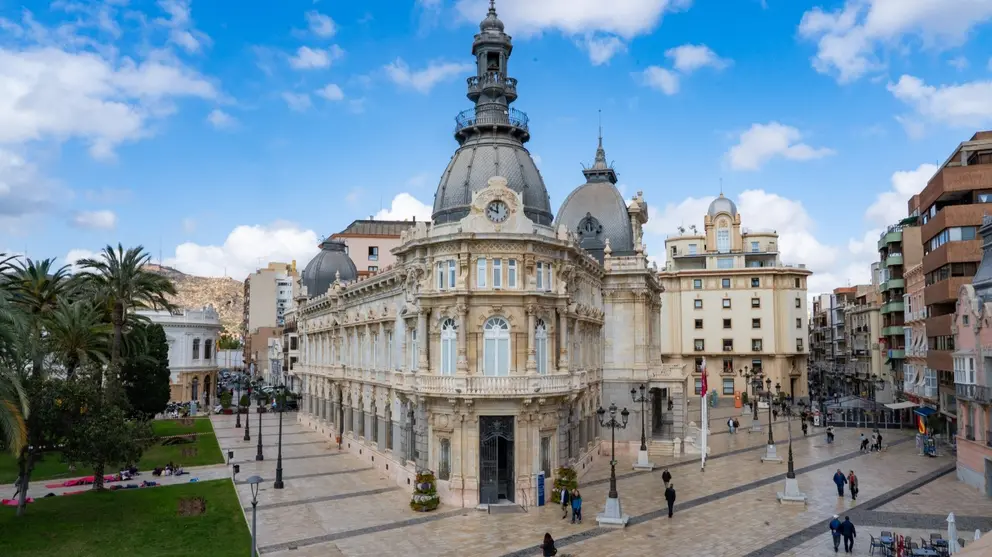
(613, 513)
(642, 454)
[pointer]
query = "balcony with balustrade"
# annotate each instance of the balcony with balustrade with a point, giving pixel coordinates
(973, 393)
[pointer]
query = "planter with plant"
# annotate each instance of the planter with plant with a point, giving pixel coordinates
(425, 498)
(565, 478)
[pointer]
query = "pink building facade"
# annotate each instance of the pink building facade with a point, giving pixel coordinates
(973, 384)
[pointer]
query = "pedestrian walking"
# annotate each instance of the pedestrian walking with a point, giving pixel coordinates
(670, 499)
(775, 414)
(666, 477)
(849, 533)
(878, 440)
(835, 532)
(830, 434)
(805, 428)
(852, 482)
(840, 480)
(874, 440)
(864, 443)
(730, 424)
(548, 547)
(566, 500)
(737, 424)
(576, 506)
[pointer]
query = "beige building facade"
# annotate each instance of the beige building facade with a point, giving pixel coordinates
(269, 294)
(863, 325)
(731, 302)
(370, 243)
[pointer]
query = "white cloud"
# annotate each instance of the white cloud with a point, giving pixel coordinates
(424, 80)
(54, 94)
(24, 192)
(405, 207)
(221, 120)
(315, 58)
(320, 24)
(763, 142)
(666, 221)
(180, 26)
(959, 63)
(75, 255)
(299, 102)
(331, 92)
(965, 105)
(691, 57)
(661, 79)
(602, 49)
(245, 249)
(95, 220)
(849, 38)
(890, 206)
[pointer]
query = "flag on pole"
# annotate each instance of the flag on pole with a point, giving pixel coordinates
(703, 416)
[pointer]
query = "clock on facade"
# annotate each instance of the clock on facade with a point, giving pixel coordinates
(497, 211)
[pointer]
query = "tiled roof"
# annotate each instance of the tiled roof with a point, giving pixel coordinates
(376, 228)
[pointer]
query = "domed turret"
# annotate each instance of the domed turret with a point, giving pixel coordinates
(722, 205)
(332, 263)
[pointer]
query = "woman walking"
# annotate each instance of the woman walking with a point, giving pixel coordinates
(548, 547)
(576, 506)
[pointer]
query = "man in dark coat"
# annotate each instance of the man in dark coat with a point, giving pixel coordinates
(840, 479)
(670, 498)
(666, 477)
(835, 532)
(847, 530)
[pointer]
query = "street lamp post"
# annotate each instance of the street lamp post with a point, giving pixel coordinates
(613, 515)
(247, 436)
(258, 454)
(642, 455)
(771, 455)
(278, 484)
(237, 405)
(792, 493)
(253, 482)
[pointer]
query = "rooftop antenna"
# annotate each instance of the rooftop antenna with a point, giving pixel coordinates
(721, 185)
(600, 127)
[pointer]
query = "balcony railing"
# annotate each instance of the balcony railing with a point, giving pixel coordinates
(496, 386)
(973, 393)
(468, 118)
(492, 80)
(969, 432)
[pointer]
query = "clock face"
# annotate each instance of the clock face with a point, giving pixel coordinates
(497, 211)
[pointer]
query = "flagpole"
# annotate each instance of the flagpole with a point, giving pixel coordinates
(704, 418)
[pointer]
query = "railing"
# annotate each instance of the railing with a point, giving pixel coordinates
(513, 117)
(486, 385)
(476, 83)
(975, 393)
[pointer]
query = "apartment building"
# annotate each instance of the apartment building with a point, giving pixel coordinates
(269, 294)
(730, 299)
(950, 209)
(919, 382)
(290, 350)
(369, 243)
(899, 248)
(865, 355)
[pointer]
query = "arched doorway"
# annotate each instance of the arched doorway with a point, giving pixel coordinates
(195, 388)
(206, 391)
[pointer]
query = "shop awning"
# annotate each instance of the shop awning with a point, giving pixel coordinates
(901, 405)
(925, 411)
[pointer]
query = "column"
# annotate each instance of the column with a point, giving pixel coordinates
(563, 342)
(531, 324)
(422, 340)
(380, 348)
(462, 364)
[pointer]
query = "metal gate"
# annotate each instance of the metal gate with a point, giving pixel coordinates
(495, 458)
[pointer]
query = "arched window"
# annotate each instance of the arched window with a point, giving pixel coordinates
(449, 338)
(723, 240)
(496, 360)
(541, 348)
(196, 349)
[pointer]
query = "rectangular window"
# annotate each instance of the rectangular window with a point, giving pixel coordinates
(799, 302)
(725, 283)
(755, 282)
(698, 304)
(756, 365)
(728, 345)
(196, 349)
(373, 268)
(540, 275)
(440, 275)
(699, 323)
(698, 345)
(675, 251)
(481, 273)
(444, 460)
(726, 303)
(699, 385)
(728, 365)
(497, 273)
(451, 273)
(756, 345)
(755, 323)
(799, 345)
(726, 323)
(375, 350)
(692, 249)
(799, 322)
(756, 302)
(725, 263)
(697, 284)
(389, 350)
(546, 454)
(799, 283)
(373, 253)
(547, 277)
(728, 386)
(723, 240)
(511, 273)
(755, 247)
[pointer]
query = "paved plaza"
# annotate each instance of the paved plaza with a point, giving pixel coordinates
(335, 504)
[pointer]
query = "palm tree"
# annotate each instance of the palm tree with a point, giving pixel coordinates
(118, 278)
(77, 334)
(13, 401)
(35, 287)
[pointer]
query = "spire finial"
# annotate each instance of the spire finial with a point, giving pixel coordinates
(721, 186)
(492, 7)
(601, 128)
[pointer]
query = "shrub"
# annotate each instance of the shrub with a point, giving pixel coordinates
(565, 478)
(425, 498)
(225, 400)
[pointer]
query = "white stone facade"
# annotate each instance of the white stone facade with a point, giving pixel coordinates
(192, 336)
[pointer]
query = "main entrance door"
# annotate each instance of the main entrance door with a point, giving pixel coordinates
(495, 459)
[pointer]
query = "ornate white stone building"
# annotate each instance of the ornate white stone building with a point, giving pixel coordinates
(484, 352)
(192, 336)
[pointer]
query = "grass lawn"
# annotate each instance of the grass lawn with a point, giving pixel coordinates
(157, 455)
(136, 523)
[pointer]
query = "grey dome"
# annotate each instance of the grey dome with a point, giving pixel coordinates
(331, 263)
(722, 205)
(477, 160)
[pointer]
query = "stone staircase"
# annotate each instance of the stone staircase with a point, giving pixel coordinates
(659, 448)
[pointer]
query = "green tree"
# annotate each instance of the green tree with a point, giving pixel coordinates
(77, 335)
(35, 288)
(109, 435)
(118, 279)
(13, 400)
(227, 342)
(145, 374)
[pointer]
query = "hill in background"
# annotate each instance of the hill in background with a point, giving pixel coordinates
(225, 294)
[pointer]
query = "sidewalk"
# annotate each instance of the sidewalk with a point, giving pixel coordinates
(37, 489)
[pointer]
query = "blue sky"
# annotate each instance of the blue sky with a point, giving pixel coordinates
(224, 135)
